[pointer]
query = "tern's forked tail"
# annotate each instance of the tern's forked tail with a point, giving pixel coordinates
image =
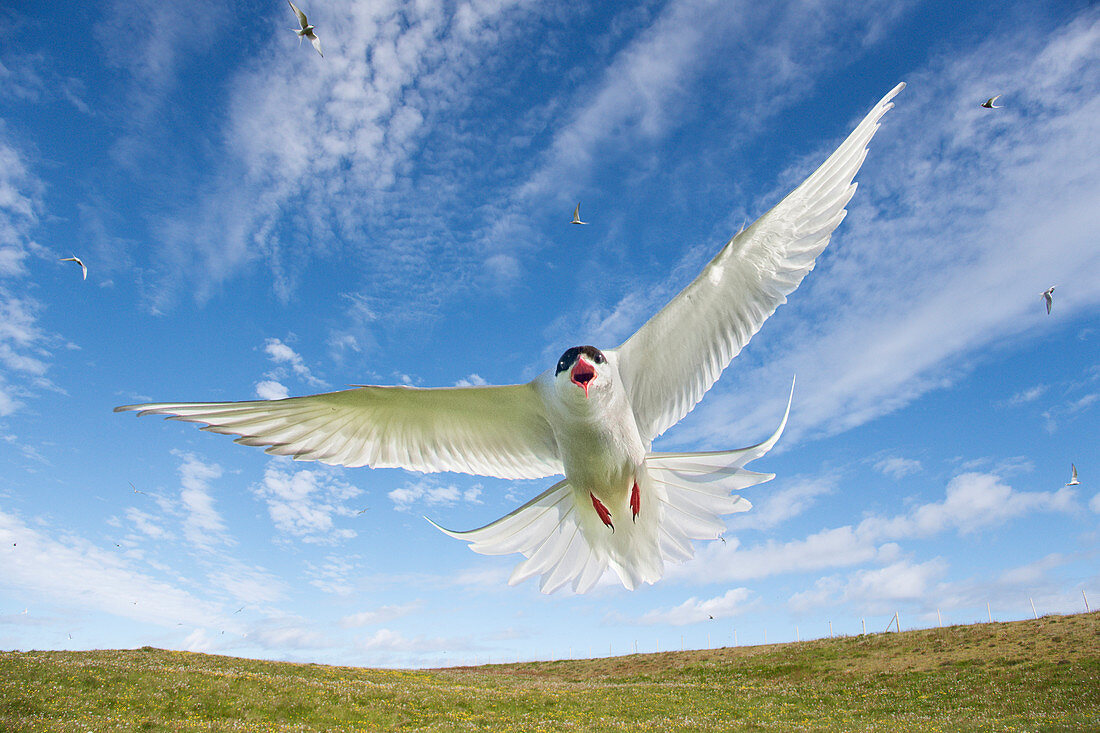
(682, 497)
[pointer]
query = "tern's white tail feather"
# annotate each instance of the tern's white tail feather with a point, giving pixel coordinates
(683, 496)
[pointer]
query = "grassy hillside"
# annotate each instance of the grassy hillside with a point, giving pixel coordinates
(1024, 675)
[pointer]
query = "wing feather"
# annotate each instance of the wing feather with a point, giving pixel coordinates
(678, 354)
(490, 431)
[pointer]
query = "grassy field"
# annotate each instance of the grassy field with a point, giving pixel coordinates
(1025, 676)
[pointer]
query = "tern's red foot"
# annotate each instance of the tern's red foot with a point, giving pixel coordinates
(601, 511)
(635, 501)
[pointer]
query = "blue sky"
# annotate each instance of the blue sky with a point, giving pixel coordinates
(259, 221)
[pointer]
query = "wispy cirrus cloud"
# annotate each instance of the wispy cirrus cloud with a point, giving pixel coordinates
(73, 570)
(25, 346)
(203, 525)
(322, 153)
(934, 263)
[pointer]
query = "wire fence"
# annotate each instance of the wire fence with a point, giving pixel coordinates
(894, 625)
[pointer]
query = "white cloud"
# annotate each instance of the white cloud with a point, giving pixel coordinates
(203, 525)
(244, 583)
(1028, 395)
(973, 501)
(339, 155)
(147, 524)
(380, 615)
(388, 640)
(430, 492)
(269, 389)
(695, 610)
(332, 576)
(473, 380)
(80, 574)
(24, 345)
(302, 503)
(779, 506)
(933, 263)
(1094, 503)
(281, 353)
(897, 467)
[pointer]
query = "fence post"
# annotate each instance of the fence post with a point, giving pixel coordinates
(863, 621)
(939, 618)
(796, 636)
(830, 629)
(988, 613)
(1033, 611)
(1087, 609)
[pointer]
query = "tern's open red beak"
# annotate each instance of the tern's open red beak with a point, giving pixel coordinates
(583, 374)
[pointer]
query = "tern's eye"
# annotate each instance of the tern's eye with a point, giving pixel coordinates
(599, 358)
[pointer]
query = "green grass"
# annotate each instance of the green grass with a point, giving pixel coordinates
(1039, 675)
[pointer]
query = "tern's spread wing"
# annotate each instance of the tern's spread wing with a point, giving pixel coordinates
(316, 43)
(301, 16)
(490, 431)
(678, 354)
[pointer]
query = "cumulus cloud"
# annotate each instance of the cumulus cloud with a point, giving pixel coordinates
(303, 502)
(269, 389)
(695, 610)
(973, 502)
(280, 353)
(779, 506)
(431, 492)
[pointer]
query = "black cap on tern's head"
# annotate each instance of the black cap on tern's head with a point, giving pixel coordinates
(569, 358)
(582, 372)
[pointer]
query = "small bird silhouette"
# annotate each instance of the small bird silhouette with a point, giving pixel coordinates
(306, 30)
(577, 216)
(76, 259)
(136, 490)
(1048, 296)
(1073, 478)
(988, 104)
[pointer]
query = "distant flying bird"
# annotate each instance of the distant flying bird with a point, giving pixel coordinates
(76, 259)
(239, 610)
(577, 216)
(988, 104)
(592, 417)
(306, 29)
(1073, 478)
(1048, 296)
(136, 491)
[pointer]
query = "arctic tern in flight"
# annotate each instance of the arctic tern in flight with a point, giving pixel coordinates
(592, 417)
(306, 29)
